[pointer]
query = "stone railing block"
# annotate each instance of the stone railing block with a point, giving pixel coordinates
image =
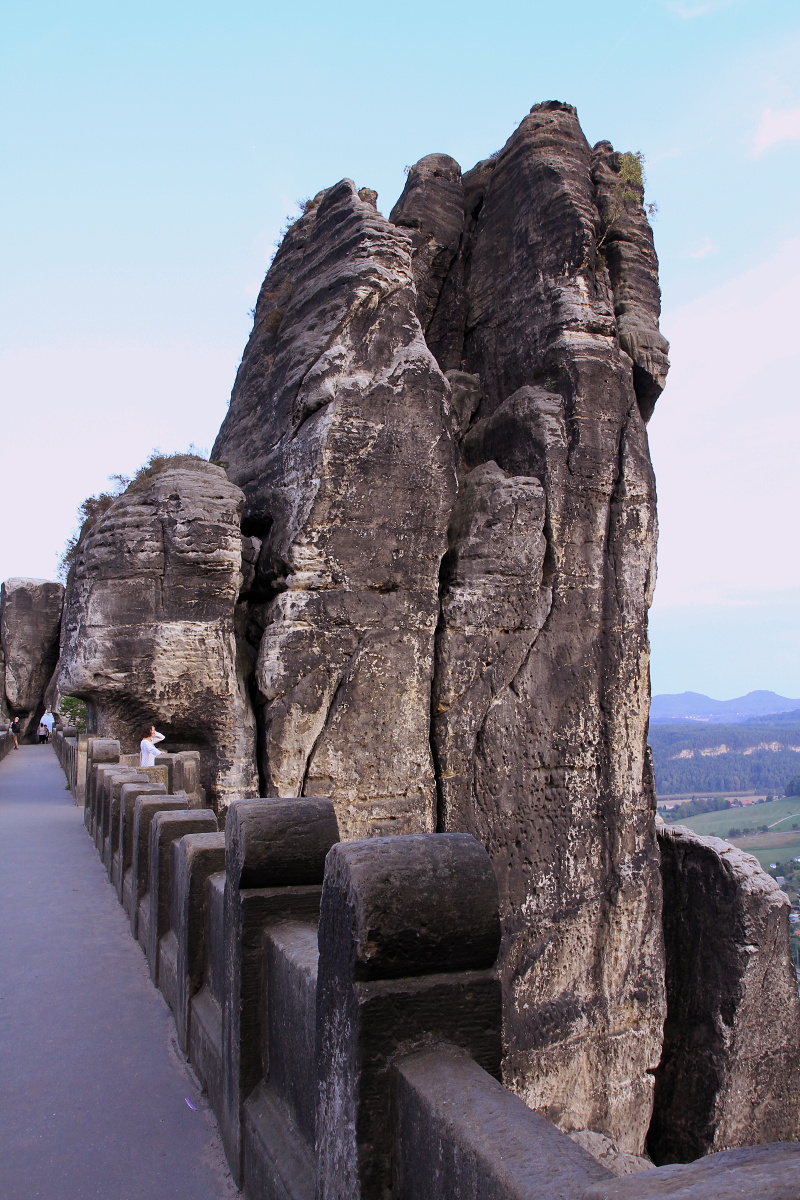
(458, 1132)
(123, 855)
(205, 1014)
(166, 828)
(275, 851)
(105, 750)
(730, 1067)
(409, 930)
(275, 842)
(768, 1172)
(183, 769)
(108, 809)
(195, 858)
(135, 895)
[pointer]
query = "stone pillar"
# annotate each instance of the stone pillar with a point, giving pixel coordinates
(166, 828)
(184, 775)
(196, 857)
(135, 900)
(100, 751)
(81, 759)
(274, 862)
(122, 857)
(409, 932)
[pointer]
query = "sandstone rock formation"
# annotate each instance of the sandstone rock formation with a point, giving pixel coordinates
(149, 622)
(730, 1072)
(30, 616)
(340, 434)
(438, 425)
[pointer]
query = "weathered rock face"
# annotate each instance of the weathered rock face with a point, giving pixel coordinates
(30, 616)
(339, 432)
(149, 622)
(541, 676)
(633, 270)
(439, 425)
(730, 1073)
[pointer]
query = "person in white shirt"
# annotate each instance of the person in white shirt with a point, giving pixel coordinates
(148, 746)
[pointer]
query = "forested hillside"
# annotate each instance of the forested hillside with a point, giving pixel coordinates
(697, 757)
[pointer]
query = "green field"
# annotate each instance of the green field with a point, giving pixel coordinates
(771, 849)
(785, 812)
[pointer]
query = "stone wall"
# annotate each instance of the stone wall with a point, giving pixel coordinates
(339, 1004)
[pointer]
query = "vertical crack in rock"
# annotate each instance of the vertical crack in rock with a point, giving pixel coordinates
(340, 434)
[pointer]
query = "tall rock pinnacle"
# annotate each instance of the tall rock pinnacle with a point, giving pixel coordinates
(439, 428)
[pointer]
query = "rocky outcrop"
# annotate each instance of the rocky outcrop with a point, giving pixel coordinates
(627, 247)
(149, 622)
(30, 617)
(540, 685)
(730, 1072)
(340, 433)
(438, 425)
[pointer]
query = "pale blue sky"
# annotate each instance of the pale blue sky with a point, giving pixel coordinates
(153, 151)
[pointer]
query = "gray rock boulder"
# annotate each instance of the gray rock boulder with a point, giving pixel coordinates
(339, 432)
(30, 617)
(149, 622)
(730, 1072)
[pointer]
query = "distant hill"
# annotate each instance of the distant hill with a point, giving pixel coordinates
(784, 718)
(699, 757)
(693, 706)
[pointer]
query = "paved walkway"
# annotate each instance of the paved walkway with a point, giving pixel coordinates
(92, 1086)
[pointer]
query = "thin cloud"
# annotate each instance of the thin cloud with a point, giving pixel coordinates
(703, 250)
(687, 10)
(777, 125)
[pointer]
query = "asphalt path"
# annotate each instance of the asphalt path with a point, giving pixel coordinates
(93, 1088)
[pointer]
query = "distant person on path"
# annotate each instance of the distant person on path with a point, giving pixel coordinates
(148, 746)
(15, 732)
(48, 720)
(42, 731)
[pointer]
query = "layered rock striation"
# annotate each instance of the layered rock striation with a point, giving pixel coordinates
(30, 619)
(439, 428)
(148, 632)
(340, 432)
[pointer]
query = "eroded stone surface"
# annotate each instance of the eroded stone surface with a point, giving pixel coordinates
(149, 623)
(609, 1154)
(730, 1073)
(627, 246)
(769, 1172)
(540, 685)
(446, 560)
(452, 389)
(30, 617)
(339, 434)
